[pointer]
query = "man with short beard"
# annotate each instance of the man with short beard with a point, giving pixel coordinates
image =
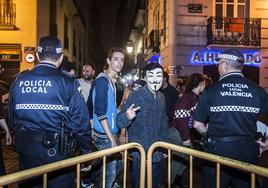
(85, 82)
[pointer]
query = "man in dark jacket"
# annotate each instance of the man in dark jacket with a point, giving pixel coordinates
(144, 114)
(230, 107)
(48, 112)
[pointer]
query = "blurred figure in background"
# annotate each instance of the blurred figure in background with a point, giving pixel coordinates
(180, 131)
(3, 125)
(68, 67)
(183, 110)
(170, 93)
(180, 86)
(87, 79)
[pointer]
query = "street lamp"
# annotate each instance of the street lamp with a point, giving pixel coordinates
(129, 49)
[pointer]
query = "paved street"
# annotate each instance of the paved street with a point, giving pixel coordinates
(11, 162)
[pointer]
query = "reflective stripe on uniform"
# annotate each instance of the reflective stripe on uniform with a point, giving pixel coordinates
(42, 107)
(182, 113)
(234, 109)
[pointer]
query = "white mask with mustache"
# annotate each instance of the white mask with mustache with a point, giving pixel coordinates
(154, 79)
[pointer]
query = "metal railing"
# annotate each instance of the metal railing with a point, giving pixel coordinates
(45, 169)
(7, 14)
(252, 169)
(234, 31)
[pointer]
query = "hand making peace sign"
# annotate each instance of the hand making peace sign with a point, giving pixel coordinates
(131, 112)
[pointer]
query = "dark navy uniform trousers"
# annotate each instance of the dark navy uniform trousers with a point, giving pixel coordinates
(246, 150)
(33, 154)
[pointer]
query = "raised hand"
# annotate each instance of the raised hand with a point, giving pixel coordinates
(131, 112)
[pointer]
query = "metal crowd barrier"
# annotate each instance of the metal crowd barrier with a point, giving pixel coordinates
(45, 169)
(252, 169)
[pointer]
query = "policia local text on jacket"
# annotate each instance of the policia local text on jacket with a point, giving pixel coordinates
(41, 101)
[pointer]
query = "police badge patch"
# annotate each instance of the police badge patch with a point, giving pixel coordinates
(80, 89)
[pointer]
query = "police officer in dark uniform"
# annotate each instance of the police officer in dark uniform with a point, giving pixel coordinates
(49, 114)
(227, 113)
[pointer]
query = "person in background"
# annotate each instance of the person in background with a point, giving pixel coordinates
(144, 114)
(87, 79)
(180, 130)
(103, 110)
(3, 125)
(180, 86)
(49, 115)
(68, 67)
(184, 107)
(137, 84)
(227, 113)
(170, 93)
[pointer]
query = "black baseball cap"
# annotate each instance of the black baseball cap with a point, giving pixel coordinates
(231, 54)
(50, 44)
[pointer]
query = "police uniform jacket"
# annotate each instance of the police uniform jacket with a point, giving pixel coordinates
(43, 97)
(231, 106)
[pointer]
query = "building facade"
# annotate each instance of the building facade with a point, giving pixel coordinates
(22, 23)
(17, 35)
(187, 35)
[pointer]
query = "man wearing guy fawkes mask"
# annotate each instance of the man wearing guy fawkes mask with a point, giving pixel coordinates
(144, 114)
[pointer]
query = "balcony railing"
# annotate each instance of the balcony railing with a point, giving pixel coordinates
(7, 15)
(234, 31)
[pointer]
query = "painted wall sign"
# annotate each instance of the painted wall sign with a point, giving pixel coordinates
(9, 55)
(195, 8)
(29, 49)
(252, 57)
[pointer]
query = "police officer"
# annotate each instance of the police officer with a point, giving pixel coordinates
(45, 108)
(229, 108)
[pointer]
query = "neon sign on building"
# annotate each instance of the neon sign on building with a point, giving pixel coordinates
(252, 58)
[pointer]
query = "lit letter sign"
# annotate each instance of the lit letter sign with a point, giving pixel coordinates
(196, 57)
(208, 57)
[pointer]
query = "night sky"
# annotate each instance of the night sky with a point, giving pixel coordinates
(107, 15)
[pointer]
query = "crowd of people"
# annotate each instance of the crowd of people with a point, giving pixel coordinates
(53, 113)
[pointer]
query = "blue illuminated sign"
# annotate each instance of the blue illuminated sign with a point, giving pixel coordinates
(252, 57)
(155, 58)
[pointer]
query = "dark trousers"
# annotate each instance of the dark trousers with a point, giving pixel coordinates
(265, 183)
(2, 164)
(242, 150)
(157, 173)
(33, 154)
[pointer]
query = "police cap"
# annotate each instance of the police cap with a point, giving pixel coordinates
(231, 54)
(50, 44)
